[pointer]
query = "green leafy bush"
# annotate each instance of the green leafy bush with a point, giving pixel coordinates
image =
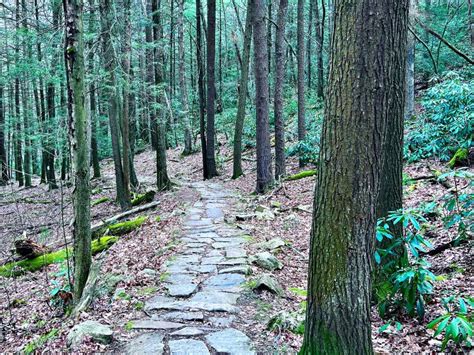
(446, 123)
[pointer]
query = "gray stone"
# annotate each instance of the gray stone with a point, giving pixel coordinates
(267, 282)
(204, 235)
(273, 244)
(148, 343)
(204, 269)
(188, 347)
(244, 270)
(188, 332)
(214, 212)
(178, 269)
(223, 245)
(212, 260)
(195, 245)
(179, 278)
(162, 302)
(234, 261)
(214, 297)
(221, 321)
(98, 332)
(190, 316)
(267, 261)
(193, 251)
(150, 273)
(187, 259)
(181, 290)
(155, 324)
(214, 253)
(230, 341)
(212, 307)
(224, 281)
(205, 222)
(235, 253)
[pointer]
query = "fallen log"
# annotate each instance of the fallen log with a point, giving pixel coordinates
(142, 198)
(443, 247)
(301, 175)
(28, 249)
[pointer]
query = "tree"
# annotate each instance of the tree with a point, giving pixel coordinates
(367, 69)
(3, 154)
(280, 166)
(243, 88)
(319, 26)
(78, 126)
(264, 155)
(301, 65)
(211, 89)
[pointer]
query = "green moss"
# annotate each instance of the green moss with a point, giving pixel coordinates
(302, 175)
(142, 198)
(128, 326)
(460, 155)
(20, 267)
(32, 346)
(100, 200)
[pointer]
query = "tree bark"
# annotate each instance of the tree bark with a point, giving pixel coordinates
(17, 135)
(78, 126)
(280, 165)
(243, 87)
(264, 155)
(4, 176)
(319, 31)
(211, 89)
(366, 83)
(301, 65)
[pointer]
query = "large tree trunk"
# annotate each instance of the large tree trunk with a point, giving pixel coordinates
(188, 147)
(25, 100)
(264, 155)
(3, 153)
(366, 84)
(200, 68)
(111, 93)
(211, 89)
(150, 77)
(78, 126)
(17, 135)
(280, 166)
(301, 65)
(243, 87)
(319, 31)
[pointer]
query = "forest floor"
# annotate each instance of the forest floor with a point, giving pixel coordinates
(132, 269)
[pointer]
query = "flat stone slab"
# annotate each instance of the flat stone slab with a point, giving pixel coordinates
(212, 260)
(224, 281)
(188, 347)
(204, 235)
(235, 253)
(221, 321)
(181, 290)
(195, 245)
(244, 270)
(214, 253)
(214, 212)
(205, 222)
(205, 269)
(163, 302)
(179, 278)
(230, 341)
(148, 343)
(193, 251)
(188, 332)
(156, 324)
(234, 261)
(182, 316)
(214, 297)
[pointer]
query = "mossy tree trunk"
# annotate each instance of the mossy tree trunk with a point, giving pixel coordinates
(367, 69)
(79, 141)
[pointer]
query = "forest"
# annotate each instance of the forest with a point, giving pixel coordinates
(236, 176)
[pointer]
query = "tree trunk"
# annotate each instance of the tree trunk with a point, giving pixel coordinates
(410, 78)
(17, 137)
(319, 31)
(243, 88)
(366, 83)
(301, 65)
(110, 92)
(78, 126)
(150, 77)
(211, 89)
(312, 3)
(280, 166)
(264, 155)
(200, 68)
(3, 153)
(188, 147)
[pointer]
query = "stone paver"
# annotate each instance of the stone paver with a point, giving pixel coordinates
(203, 283)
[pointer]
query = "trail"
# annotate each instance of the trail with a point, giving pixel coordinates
(204, 281)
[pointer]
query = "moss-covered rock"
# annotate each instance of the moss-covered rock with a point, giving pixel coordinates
(302, 175)
(20, 267)
(143, 198)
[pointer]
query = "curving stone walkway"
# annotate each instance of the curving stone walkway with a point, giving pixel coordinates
(203, 282)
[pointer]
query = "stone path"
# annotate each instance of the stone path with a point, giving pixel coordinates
(203, 282)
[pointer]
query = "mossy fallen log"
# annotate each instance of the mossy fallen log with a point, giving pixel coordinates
(20, 267)
(120, 228)
(100, 200)
(143, 198)
(462, 157)
(302, 175)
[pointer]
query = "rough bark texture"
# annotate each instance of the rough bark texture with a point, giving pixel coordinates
(78, 126)
(211, 89)
(410, 78)
(366, 83)
(280, 166)
(243, 87)
(264, 155)
(3, 154)
(301, 65)
(17, 135)
(319, 32)
(110, 92)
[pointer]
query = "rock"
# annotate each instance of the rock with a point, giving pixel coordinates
(224, 282)
(150, 273)
(188, 332)
(155, 324)
(266, 215)
(221, 321)
(190, 316)
(214, 212)
(276, 204)
(179, 278)
(273, 244)
(204, 269)
(245, 217)
(234, 261)
(181, 290)
(266, 261)
(244, 270)
(98, 332)
(148, 343)
(162, 302)
(230, 341)
(261, 208)
(267, 282)
(212, 260)
(235, 253)
(188, 347)
(214, 297)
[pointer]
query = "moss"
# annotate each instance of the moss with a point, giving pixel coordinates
(128, 326)
(120, 228)
(20, 267)
(458, 157)
(302, 175)
(142, 198)
(32, 346)
(100, 200)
